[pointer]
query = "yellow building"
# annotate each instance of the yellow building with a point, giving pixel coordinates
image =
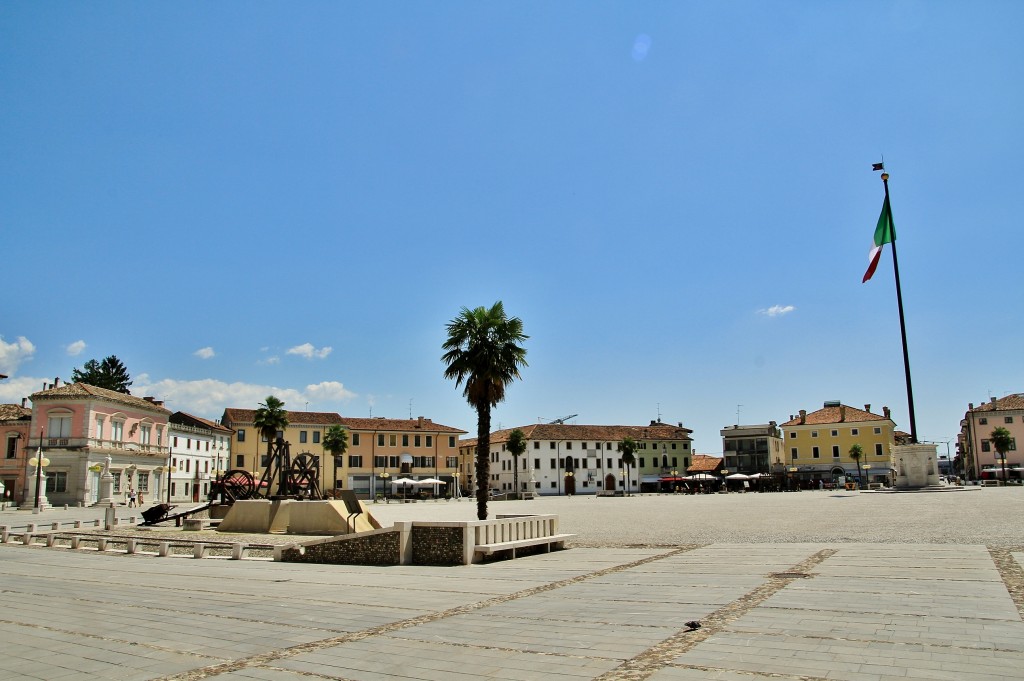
(818, 444)
(380, 450)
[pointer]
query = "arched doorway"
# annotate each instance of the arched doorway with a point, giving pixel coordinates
(609, 483)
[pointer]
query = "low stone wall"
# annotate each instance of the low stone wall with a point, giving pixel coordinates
(377, 547)
(433, 545)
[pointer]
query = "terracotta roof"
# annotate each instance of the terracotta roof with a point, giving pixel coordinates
(315, 418)
(14, 412)
(187, 419)
(1015, 401)
(86, 390)
(566, 431)
(295, 418)
(702, 463)
(829, 415)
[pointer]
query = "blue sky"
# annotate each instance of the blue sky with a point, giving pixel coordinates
(240, 199)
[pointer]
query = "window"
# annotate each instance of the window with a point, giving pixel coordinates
(58, 425)
(355, 461)
(1007, 419)
(642, 464)
(145, 431)
(793, 452)
(815, 453)
(983, 421)
(117, 481)
(405, 440)
(188, 443)
(175, 441)
(430, 440)
(239, 461)
(99, 427)
(355, 439)
(12, 446)
(143, 479)
(380, 439)
(568, 445)
(986, 446)
(814, 433)
(835, 433)
(854, 431)
(878, 449)
(451, 440)
(878, 431)
(117, 431)
(303, 435)
(393, 441)
(554, 466)
(316, 437)
(416, 441)
(536, 444)
(552, 445)
(835, 451)
(380, 461)
(583, 445)
(792, 435)
(57, 482)
(241, 434)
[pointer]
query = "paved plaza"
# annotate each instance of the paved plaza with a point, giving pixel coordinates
(803, 586)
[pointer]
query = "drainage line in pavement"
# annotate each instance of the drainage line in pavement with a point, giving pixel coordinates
(661, 654)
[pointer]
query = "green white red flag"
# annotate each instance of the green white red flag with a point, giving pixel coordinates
(885, 233)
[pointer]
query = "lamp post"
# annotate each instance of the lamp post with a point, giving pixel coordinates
(625, 481)
(384, 485)
(792, 474)
(725, 472)
(568, 479)
(40, 462)
(675, 482)
(867, 474)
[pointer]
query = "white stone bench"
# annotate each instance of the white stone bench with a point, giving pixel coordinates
(509, 533)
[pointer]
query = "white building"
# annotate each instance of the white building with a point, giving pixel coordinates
(199, 449)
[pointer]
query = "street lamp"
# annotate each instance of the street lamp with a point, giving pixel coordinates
(625, 481)
(384, 484)
(568, 479)
(40, 462)
(792, 474)
(867, 473)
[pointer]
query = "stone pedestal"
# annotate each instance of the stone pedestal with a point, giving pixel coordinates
(106, 490)
(43, 503)
(916, 466)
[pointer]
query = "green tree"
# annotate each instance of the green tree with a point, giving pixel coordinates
(483, 351)
(628, 447)
(516, 445)
(336, 442)
(110, 374)
(1002, 443)
(271, 417)
(856, 453)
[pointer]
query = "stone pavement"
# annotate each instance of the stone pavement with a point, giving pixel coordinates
(811, 612)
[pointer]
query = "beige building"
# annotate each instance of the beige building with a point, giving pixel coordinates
(380, 450)
(752, 449)
(818, 444)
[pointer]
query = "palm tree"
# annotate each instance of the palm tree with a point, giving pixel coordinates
(856, 452)
(483, 351)
(336, 442)
(1002, 442)
(516, 445)
(271, 417)
(628, 447)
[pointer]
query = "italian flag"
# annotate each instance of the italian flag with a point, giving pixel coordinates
(885, 233)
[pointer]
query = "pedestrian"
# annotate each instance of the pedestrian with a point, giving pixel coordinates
(140, 499)
(821, 484)
(131, 498)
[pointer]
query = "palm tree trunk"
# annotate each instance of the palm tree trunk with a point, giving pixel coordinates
(483, 453)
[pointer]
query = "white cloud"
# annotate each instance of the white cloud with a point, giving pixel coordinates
(15, 388)
(270, 360)
(776, 310)
(309, 352)
(326, 391)
(209, 397)
(75, 349)
(13, 354)
(204, 353)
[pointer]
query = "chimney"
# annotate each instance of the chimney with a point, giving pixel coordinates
(56, 382)
(991, 400)
(419, 422)
(970, 406)
(842, 413)
(24, 403)
(803, 416)
(885, 412)
(867, 408)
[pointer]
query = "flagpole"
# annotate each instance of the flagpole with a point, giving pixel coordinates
(903, 324)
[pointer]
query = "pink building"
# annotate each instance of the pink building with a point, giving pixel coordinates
(975, 440)
(80, 426)
(14, 427)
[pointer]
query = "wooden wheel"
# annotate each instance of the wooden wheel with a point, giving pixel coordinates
(304, 474)
(238, 484)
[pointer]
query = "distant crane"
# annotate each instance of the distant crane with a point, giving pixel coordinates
(563, 419)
